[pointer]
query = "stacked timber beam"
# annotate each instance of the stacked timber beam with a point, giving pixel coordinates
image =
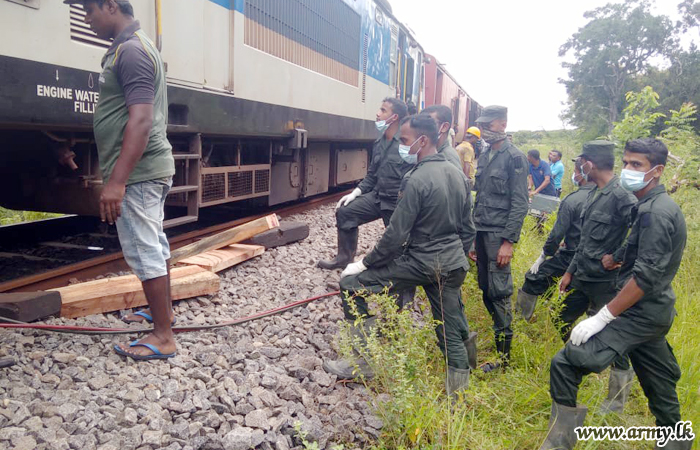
(196, 276)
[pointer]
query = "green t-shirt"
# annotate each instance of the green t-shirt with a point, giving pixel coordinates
(133, 73)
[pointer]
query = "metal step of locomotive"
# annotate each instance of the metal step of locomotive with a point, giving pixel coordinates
(185, 193)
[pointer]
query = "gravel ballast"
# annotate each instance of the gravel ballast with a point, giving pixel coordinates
(233, 388)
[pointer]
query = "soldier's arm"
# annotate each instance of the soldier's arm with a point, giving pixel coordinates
(654, 253)
(467, 232)
(561, 226)
(396, 234)
(370, 180)
(517, 181)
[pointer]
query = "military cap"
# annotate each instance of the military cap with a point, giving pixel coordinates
(491, 113)
(597, 148)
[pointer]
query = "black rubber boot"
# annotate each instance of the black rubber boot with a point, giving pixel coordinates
(562, 423)
(347, 246)
(619, 386)
(457, 380)
(503, 349)
(356, 366)
(470, 345)
(405, 298)
(525, 304)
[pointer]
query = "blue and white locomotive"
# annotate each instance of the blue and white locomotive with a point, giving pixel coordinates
(269, 99)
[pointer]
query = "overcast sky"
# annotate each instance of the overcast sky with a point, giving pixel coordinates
(505, 52)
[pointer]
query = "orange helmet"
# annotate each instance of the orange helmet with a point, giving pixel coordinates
(475, 131)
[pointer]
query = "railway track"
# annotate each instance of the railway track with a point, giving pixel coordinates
(69, 257)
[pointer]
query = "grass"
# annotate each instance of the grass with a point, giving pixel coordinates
(10, 217)
(510, 410)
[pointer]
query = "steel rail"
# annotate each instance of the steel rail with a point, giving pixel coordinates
(114, 262)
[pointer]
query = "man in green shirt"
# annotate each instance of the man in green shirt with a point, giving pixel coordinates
(499, 211)
(136, 161)
(636, 321)
(424, 245)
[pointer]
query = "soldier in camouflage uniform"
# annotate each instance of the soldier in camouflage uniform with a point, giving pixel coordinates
(636, 321)
(499, 211)
(424, 245)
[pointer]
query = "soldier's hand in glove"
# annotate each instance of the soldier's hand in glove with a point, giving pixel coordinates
(348, 198)
(591, 326)
(353, 269)
(536, 266)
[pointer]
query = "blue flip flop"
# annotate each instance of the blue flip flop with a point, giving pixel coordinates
(157, 354)
(146, 316)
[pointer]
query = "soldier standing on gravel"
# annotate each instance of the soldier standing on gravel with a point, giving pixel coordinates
(555, 260)
(636, 321)
(499, 211)
(136, 161)
(433, 220)
(376, 195)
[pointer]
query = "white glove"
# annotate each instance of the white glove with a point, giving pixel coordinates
(591, 326)
(536, 267)
(353, 269)
(348, 198)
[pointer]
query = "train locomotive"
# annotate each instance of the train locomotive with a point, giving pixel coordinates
(271, 100)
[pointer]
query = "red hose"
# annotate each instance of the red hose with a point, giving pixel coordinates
(69, 328)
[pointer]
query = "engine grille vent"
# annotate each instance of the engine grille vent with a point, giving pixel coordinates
(81, 32)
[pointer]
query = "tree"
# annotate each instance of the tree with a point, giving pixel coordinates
(638, 116)
(614, 46)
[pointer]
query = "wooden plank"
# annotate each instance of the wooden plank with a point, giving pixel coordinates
(218, 260)
(287, 233)
(114, 294)
(29, 306)
(234, 235)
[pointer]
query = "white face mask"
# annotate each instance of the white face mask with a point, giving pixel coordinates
(573, 179)
(405, 152)
(584, 175)
(383, 125)
(634, 181)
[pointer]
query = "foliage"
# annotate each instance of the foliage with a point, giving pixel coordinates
(302, 436)
(510, 410)
(638, 118)
(9, 217)
(617, 44)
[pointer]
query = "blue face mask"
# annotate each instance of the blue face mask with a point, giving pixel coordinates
(383, 125)
(634, 181)
(405, 152)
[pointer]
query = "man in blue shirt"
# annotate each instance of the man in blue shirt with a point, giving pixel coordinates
(557, 168)
(539, 181)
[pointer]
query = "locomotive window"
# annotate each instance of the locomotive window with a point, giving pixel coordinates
(392, 56)
(81, 32)
(320, 35)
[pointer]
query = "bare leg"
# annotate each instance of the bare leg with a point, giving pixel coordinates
(157, 293)
(171, 314)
